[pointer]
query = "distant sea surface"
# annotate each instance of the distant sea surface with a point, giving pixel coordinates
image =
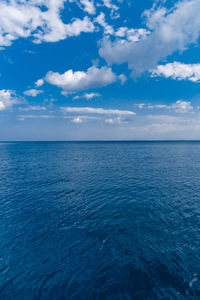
(99, 220)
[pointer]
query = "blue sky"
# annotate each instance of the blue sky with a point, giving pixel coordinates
(92, 70)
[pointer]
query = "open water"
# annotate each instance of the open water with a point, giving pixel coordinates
(99, 220)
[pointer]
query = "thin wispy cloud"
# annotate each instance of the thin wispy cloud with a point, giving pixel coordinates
(23, 117)
(32, 107)
(33, 92)
(117, 120)
(179, 106)
(87, 96)
(101, 111)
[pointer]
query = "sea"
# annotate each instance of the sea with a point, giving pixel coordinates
(100, 220)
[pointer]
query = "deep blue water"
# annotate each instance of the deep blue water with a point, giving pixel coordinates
(100, 220)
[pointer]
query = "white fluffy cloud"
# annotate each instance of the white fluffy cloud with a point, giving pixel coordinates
(77, 120)
(39, 82)
(88, 6)
(179, 71)
(32, 92)
(28, 18)
(171, 30)
(108, 29)
(109, 4)
(91, 110)
(132, 34)
(182, 106)
(72, 82)
(7, 99)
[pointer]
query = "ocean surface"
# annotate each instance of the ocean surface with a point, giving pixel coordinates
(99, 220)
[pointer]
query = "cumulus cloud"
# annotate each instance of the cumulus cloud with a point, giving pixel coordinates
(108, 29)
(88, 6)
(72, 82)
(182, 106)
(109, 4)
(87, 96)
(171, 30)
(7, 99)
(124, 33)
(77, 120)
(39, 82)
(32, 92)
(132, 34)
(179, 71)
(22, 19)
(101, 111)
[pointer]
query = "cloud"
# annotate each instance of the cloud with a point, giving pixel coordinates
(159, 106)
(171, 30)
(108, 29)
(40, 19)
(72, 82)
(88, 6)
(77, 120)
(179, 71)
(84, 117)
(7, 99)
(23, 117)
(31, 107)
(164, 118)
(182, 106)
(32, 92)
(81, 119)
(182, 127)
(122, 78)
(109, 4)
(154, 127)
(39, 82)
(76, 27)
(91, 110)
(140, 105)
(87, 96)
(117, 120)
(132, 34)
(179, 106)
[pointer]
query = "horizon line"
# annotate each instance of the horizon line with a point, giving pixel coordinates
(79, 141)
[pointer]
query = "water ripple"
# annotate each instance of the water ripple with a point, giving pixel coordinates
(99, 221)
